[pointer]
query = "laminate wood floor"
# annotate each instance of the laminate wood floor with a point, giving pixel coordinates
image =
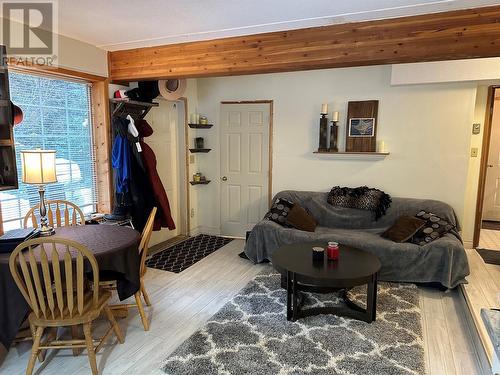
(489, 239)
(183, 302)
(482, 291)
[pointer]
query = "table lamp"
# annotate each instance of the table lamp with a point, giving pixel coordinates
(39, 168)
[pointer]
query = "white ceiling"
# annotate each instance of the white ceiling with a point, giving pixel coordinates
(124, 24)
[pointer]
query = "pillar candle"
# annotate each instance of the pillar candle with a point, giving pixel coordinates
(335, 116)
(324, 108)
(381, 146)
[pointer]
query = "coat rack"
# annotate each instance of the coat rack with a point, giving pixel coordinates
(123, 107)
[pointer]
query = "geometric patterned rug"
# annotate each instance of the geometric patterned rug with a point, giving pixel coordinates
(250, 335)
(186, 253)
(489, 256)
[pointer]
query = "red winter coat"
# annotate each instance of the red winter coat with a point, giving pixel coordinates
(163, 216)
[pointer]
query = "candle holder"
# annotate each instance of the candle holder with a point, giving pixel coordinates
(323, 133)
(333, 137)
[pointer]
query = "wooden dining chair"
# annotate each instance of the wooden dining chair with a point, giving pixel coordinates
(143, 253)
(50, 273)
(60, 213)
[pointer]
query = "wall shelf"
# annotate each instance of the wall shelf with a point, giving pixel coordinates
(123, 107)
(195, 150)
(199, 182)
(354, 155)
(200, 126)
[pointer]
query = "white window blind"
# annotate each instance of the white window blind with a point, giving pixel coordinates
(57, 116)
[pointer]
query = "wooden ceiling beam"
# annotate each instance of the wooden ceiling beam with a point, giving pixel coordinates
(463, 34)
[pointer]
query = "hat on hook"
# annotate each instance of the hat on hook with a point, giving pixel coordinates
(172, 89)
(17, 114)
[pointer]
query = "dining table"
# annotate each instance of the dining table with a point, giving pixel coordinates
(116, 251)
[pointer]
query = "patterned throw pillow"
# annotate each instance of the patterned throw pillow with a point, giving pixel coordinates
(279, 211)
(434, 228)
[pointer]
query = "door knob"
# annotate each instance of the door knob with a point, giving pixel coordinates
(224, 178)
(490, 165)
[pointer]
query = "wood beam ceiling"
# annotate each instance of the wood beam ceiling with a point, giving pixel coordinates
(462, 34)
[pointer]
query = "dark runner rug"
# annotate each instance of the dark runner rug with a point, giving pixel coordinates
(251, 336)
(492, 225)
(490, 256)
(183, 255)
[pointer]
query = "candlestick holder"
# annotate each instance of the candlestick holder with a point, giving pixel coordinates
(333, 147)
(323, 133)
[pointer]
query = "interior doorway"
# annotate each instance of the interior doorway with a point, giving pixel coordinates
(167, 142)
(487, 229)
(246, 163)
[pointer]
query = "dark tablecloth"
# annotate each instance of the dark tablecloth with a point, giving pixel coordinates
(116, 252)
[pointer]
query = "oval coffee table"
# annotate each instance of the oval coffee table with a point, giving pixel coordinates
(354, 267)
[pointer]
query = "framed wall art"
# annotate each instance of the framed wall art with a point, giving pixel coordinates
(361, 127)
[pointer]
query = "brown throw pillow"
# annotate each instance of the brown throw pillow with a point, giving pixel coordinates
(300, 219)
(403, 229)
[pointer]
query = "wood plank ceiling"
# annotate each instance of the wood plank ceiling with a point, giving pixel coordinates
(462, 34)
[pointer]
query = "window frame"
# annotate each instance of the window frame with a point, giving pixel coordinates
(101, 129)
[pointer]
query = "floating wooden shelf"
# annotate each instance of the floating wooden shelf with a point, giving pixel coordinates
(205, 150)
(200, 126)
(354, 155)
(199, 182)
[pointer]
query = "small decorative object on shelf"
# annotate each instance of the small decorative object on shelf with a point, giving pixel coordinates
(194, 118)
(323, 129)
(203, 120)
(199, 142)
(333, 147)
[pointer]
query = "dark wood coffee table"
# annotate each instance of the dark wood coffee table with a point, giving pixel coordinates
(354, 267)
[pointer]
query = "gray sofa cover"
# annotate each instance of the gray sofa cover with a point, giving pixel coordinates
(442, 261)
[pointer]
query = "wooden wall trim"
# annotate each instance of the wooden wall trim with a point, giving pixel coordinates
(485, 149)
(461, 34)
(58, 71)
(102, 145)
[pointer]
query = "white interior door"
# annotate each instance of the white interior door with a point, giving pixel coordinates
(244, 166)
(491, 204)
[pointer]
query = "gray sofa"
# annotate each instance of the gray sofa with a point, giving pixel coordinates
(442, 261)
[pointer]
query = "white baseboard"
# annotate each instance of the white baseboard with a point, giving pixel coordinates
(201, 229)
(468, 244)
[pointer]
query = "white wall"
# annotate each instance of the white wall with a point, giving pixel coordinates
(81, 56)
(446, 71)
(426, 128)
(77, 55)
(474, 165)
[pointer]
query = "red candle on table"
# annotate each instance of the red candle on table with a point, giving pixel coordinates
(332, 250)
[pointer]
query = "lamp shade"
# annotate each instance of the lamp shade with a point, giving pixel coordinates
(39, 166)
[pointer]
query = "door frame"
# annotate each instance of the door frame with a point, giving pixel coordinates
(270, 172)
(485, 149)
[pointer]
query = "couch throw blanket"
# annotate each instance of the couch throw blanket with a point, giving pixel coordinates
(363, 198)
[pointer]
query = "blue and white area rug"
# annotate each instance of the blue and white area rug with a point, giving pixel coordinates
(250, 335)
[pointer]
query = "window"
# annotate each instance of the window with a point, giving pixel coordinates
(57, 116)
